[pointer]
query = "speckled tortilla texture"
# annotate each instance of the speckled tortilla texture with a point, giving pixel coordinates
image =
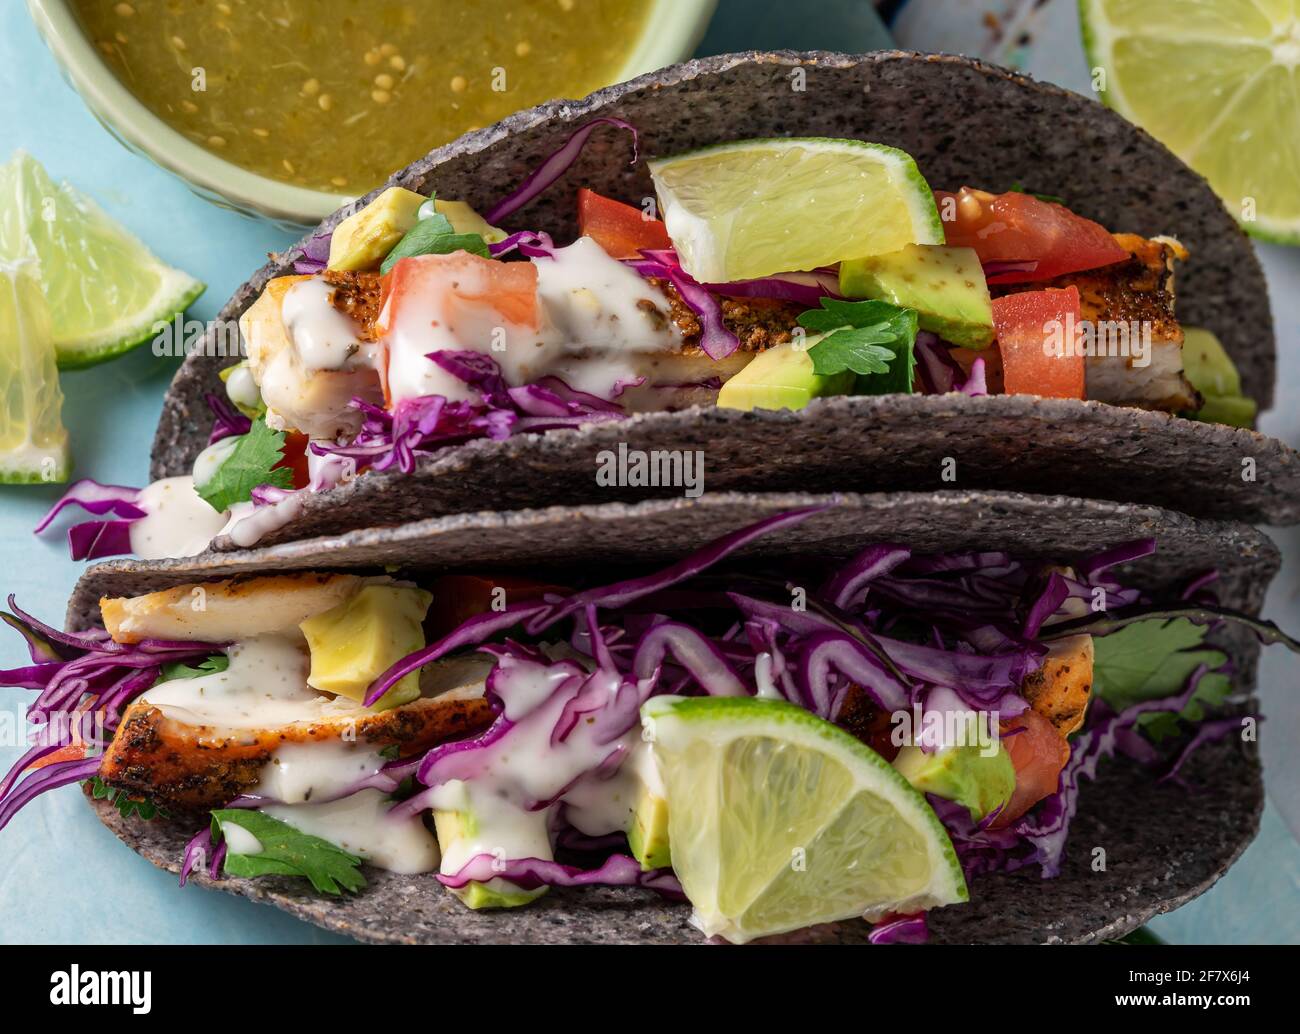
(966, 123)
(1162, 844)
(565, 542)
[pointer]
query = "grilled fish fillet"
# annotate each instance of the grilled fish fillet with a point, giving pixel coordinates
(184, 767)
(314, 402)
(1137, 294)
(1061, 688)
(219, 612)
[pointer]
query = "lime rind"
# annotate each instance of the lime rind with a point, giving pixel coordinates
(106, 290)
(1099, 38)
(674, 724)
(721, 245)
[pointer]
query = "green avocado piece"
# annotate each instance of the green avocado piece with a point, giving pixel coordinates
(647, 833)
(945, 286)
(1233, 411)
(355, 642)
(961, 774)
(782, 378)
(1212, 372)
(497, 893)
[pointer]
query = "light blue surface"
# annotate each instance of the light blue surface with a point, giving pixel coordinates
(63, 877)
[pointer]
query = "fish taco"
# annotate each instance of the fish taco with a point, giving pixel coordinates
(758, 271)
(837, 718)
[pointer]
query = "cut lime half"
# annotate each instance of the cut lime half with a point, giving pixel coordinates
(105, 289)
(749, 209)
(779, 820)
(1218, 82)
(33, 441)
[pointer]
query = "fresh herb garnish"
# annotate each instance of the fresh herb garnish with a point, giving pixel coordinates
(126, 806)
(251, 463)
(179, 670)
(873, 338)
(287, 852)
(434, 235)
(1153, 659)
(1018, 188)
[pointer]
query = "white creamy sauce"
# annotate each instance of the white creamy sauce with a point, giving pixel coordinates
(210, 459)
(241, 387)
(527, 767)
(361, 824)
(252, 523)
(177, 521)
(323, 337)
(592, 328)
(264, 686)
(239, 840)
(300, 772)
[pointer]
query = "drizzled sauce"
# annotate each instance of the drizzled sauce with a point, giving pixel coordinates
(177, 521)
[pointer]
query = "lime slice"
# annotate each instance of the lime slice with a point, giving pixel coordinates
(779, 820)
(752, 208)
(1219, 84)
(33, 441)
(105, 289)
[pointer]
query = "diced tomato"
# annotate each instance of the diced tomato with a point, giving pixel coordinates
(425, 295)
(458, 597)
(1038, 754)
(1029, 327)
(1015, 227)
(71, 752)
(464, 282)
(295, 458)
(622, 230)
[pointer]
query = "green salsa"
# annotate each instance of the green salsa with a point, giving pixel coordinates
(336, 94)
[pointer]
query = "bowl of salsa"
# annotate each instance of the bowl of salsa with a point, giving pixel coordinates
(290, 108)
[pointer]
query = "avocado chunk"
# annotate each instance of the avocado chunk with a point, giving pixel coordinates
(365, 237)
(455, 826)
(945, 286)
(647, 832)
(782, 378)
(1212, 372)
(356, 641)
(464, 219)
(961, 774)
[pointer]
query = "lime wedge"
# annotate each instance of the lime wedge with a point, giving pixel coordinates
(33, 441)
(752, 208)
(105, 289)
(779, 820)
(1219, 84)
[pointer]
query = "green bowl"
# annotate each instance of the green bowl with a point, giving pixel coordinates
(672, 31)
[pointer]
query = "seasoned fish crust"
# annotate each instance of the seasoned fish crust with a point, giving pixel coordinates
(359, 295)
(194, 768)
(758, 323)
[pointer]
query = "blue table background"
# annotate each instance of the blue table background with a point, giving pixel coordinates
(64, 878)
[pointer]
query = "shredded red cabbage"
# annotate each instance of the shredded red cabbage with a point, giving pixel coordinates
(84, 682)
(228, 422)
(429, 423)
(554, 166)
(315, 253)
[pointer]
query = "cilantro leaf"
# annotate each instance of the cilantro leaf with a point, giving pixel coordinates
(179, 670)
(126, 806)
(1018, 188)
(252, 463)
(434, 235)
(287, 852)
(872, 338)
(1152, 659)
